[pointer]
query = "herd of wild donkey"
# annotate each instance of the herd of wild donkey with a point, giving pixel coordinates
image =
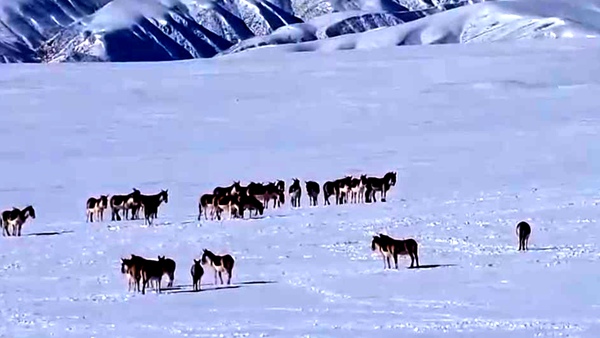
(235, 199)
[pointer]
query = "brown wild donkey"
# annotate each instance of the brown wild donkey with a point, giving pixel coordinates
(391, 248)
(220, 264)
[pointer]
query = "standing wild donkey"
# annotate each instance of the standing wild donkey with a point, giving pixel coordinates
(523, 231)
(96, 206)
(13, 220)
(382, 185)
(151, 204)
(197, 272)
(295, 191)
(125, 202)
(391, 248)
(312, 190)
(220, 264)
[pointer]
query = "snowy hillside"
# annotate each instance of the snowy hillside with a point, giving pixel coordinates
(482, 136)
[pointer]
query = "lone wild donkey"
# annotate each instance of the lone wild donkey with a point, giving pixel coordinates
(13, 220)
(391, 248)
(523, 231)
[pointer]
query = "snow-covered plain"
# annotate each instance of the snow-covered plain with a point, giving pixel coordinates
(482, 136)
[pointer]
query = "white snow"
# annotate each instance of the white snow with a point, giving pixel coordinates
(482, 136)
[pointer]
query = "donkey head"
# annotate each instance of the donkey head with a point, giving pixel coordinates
(29, 211)
(164, 194)
(391, 178)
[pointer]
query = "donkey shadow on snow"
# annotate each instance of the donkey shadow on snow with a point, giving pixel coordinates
(431, 266)
(186, 288)
(50, 233)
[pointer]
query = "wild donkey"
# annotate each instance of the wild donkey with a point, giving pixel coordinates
(151, 204)
(220, 264)
(96, 206)
(312, 190)
(125, 202)
(13, 220)
(139, 268)
(251, 203)
(225, 191)
(329, 190)
(357, 189)
(206, 203)
(382, 185)
(229, 203)
(391, 248)
(168, 266)
(340, 188)
(523, 231)
(197, 272)
(265, 193)
(280, 184)
(133, 272)
(295, 193)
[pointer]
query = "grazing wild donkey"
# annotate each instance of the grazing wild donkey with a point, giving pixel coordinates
(206, 203)
(295, 193)
(197, 272)
(96, 206)
(168, 266)
(312, 190)
(391, 248)
(523, 231)
(220, 264)
(382, 185)
(124, 202)
(151, 204)
(13, 220)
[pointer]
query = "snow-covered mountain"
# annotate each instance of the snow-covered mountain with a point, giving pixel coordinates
(481, 22)
(162, 30)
